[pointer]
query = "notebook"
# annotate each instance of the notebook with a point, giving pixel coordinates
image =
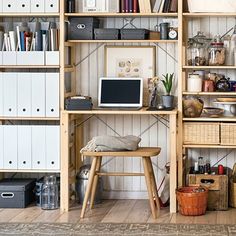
(120, 93)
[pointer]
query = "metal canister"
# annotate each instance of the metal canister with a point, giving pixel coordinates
(70, 6)
(82, 182)
(164, 28)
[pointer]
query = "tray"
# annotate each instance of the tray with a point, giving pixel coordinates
(226, 99)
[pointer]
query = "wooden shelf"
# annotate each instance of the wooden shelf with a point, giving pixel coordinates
(208, 146)
(203, 119)
(31, 171)
(208, 14)
(123, 41)
(211, 93)
(28, 67)
(210, 67)
(30, 118)
(123, 14)
(48, 14)
(142, 111)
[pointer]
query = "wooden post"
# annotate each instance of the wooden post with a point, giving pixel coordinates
(173, 163)
(64, 162)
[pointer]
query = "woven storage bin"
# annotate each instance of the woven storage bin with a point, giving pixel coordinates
(228, 134)
(232, 188)
(212, 5)
(201, 133)
(192, 203)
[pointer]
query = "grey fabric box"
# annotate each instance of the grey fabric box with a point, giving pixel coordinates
(82, 28)
(16, 193)
(110, 34)
(138, 34)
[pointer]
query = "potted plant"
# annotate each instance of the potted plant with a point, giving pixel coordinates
(168, 99)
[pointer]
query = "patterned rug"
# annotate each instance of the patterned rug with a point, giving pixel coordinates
(112, 229)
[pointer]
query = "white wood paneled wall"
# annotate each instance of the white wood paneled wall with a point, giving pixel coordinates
(87, 81)
(212, 26)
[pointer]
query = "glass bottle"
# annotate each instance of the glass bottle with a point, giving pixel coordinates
(201, 164)
(50, 193)
(232, 47)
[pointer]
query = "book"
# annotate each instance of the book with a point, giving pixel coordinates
(157, 6)
(12, 36)
(174, 6)
(165, 8)
(147, 6)
(131, 6)
(162, 6)
(126, 6)
(122, 6)
(141, 6)
(135, 6)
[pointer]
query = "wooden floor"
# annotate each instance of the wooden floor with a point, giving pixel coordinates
(119, 211)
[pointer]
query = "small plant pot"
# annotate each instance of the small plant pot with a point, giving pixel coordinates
(167, 101)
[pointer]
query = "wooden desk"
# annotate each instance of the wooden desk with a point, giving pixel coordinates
(65, 120)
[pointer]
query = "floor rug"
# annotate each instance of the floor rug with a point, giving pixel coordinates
(113, 229)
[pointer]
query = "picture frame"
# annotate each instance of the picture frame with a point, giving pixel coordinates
(131, 61)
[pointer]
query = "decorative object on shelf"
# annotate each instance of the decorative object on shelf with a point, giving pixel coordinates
(232, 85)
(194, 83)
(192, 200)
(217, 52)
(228, 55)
(208, 85)
(50, 193)
(192, 106)
(232, 47)
(131, 61)
(167, 100)
(82, 183)
(197, 50)
(152, 87)
(212, 112)
(223, 85)
(231, 105)
(164, 28)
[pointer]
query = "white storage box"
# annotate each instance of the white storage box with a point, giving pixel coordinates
(52, 58)
(30, 58)
(9, 58)
(212, 5)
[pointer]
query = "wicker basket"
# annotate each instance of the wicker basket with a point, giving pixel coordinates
(228, 134)
(232, 188)
(201, 133)
(192, 203)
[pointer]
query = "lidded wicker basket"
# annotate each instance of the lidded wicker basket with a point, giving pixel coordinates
(192, 200)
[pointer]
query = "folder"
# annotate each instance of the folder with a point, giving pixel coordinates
(37, 6)
(51, 6)
(10, 94)
(24, 147)
(38, 95)
(1, 147)
(1, 94)
(23, 6)
(10, 147)
(53, 147)
(38, 147)
(52, 94)
(24, 94)
(9, 6)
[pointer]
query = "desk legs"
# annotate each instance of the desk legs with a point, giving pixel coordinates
(173, 163)
(89, 186)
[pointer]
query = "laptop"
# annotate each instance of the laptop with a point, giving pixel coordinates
(120, 93)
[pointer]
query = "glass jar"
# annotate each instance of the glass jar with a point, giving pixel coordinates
(197, 54)
(50, 193)
(217, 53)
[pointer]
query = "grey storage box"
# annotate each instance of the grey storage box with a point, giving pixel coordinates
(16, 193)
(82, 28)
(136, 34)
(110, 34)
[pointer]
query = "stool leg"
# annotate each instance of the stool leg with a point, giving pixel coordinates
(95, 182)
(149, 187)
(154, 185)
(89, 186)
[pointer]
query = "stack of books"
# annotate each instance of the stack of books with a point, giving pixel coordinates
(25, 39)
(148, 6)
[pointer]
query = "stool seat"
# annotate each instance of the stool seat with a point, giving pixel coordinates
(145, 153)
(140, 152)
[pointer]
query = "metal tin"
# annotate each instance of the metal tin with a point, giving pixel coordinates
(164, 29)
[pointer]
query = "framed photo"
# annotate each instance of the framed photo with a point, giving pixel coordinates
(131, 61)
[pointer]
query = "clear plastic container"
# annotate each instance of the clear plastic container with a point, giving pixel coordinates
(217, 53)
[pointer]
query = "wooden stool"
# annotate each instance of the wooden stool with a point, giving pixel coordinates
(146, 153)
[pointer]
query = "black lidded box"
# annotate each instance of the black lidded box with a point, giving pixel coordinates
(110, 34)
(16, 193)
(82, 28)
(78, 103)
(136, 34)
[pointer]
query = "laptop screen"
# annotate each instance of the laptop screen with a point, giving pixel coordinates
(120, 92)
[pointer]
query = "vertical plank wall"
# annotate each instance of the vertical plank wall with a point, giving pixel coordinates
(88, 73)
